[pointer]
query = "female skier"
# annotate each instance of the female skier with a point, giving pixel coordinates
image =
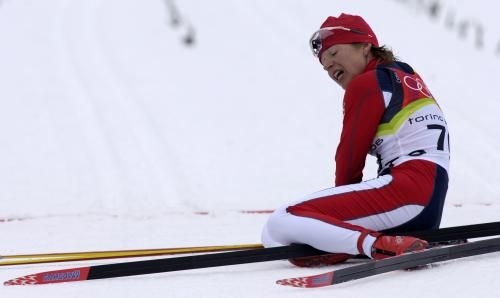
(389, 113)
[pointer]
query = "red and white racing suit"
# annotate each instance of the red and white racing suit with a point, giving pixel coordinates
(389, 113)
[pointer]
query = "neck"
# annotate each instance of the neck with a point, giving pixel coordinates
(370, 63)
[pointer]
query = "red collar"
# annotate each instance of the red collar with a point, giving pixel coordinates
(371, 65)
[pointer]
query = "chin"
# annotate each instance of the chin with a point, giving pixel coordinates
(345, 83)
(342, 85)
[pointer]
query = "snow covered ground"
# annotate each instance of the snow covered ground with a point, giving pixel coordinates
(114, 132)
(472, 277)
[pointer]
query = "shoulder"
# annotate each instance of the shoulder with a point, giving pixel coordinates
(383, 77)
(379, 77)
(387, 74)
(364, 91)
(399, 65)
(363, 85)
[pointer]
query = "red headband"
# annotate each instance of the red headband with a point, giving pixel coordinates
(346, 37)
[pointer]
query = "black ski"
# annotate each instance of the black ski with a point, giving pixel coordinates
(231, 258)
(405, 261)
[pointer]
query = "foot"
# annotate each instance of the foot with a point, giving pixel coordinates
(319, 261)
(390, 246)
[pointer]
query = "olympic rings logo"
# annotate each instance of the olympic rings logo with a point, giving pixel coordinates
(417, 85)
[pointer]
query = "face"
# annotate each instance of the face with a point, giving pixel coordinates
(345, 61)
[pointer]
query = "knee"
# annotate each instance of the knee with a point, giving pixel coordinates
(270, 231)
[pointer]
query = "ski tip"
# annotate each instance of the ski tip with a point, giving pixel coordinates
(66, 275)
(315, 281)
(23, 280)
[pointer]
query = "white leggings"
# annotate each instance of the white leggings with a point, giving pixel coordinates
(320, 225)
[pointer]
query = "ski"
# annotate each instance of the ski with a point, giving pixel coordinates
(230, 258)
(24, 259)
(10, 260)
(406, 261)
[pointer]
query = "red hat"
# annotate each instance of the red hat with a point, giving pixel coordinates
(360, 31)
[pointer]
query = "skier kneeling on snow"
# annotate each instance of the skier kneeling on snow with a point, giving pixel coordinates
(391, 114)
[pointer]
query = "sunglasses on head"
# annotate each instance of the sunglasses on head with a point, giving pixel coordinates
(316, 41)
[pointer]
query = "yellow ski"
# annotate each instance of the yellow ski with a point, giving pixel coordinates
(98, 255)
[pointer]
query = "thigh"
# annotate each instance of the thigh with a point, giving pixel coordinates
(378, 204)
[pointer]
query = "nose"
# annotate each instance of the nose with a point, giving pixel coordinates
(327, 63)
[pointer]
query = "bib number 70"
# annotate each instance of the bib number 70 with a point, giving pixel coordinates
(440, 145)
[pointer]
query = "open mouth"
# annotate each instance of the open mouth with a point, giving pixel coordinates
(337, 75)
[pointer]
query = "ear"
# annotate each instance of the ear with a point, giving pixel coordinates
(366, 48)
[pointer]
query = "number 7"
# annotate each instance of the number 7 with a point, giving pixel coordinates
(440, 144)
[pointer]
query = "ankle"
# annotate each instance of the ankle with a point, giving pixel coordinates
(366, 241)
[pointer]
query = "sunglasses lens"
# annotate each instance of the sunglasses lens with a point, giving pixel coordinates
(316, 41)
